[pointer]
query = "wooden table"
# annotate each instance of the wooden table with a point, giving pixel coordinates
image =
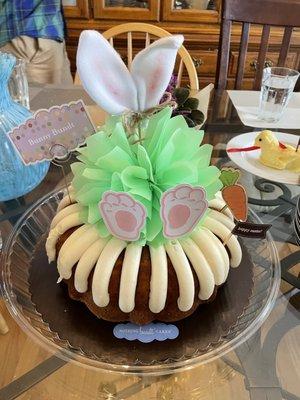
(267, 366)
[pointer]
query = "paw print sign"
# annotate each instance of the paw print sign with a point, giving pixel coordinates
(123, 216)
(182, 207)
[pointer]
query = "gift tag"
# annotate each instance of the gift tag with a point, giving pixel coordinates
(146, 333)
(67, 125)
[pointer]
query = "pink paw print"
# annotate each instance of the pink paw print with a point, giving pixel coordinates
(181, 209)
(123, 216)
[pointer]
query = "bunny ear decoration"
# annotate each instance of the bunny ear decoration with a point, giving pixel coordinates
(109, 83)
(152, 69)
(104, 75)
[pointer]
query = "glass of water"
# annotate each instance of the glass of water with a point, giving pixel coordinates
(277, 87)
(18, 84)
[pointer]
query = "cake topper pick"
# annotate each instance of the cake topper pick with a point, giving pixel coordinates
(236, 200)
(182, 207)
(124, 217)
(61, 156)
(234, 194)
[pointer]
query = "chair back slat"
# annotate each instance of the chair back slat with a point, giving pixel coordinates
(111, 41)
(179, 75)
(285, 46)
(263, 12)
(283, 13)
(223, 59)
(129, 50)
(147, 40)
(242, 55)
(262, 55)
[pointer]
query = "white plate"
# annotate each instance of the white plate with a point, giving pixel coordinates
(249, 160)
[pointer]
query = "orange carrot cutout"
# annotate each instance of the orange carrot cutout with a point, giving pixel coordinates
(233, 194)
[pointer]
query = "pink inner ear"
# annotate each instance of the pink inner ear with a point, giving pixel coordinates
(178, 215)
(126, 221)
(155, 78)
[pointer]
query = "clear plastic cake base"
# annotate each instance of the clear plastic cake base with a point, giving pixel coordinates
(44, 310)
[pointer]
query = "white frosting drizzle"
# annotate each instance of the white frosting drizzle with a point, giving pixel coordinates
(70, 254)
(222, 251)
(70, 221)
(72, 238)
(159, 279)
(222, 218)
(218, 204)
(212, 254)
(129, 276)
(184, 275)
(77, 234)
(86, 264)
(103, 270)
(201, 267)
(65, 201)
(71, 209)
(224, 233)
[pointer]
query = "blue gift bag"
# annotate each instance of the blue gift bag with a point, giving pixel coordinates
(16, 179)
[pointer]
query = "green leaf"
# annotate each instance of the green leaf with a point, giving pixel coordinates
(181, 94)
(229, 176)
(197, 116)
(191, 103)
(190, 122)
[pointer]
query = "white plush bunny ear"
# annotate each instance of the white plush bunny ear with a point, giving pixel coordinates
(104, 75)
(152, 69)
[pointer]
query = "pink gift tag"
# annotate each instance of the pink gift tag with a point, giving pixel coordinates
(67, 125)
(123, 216)
(182, 207)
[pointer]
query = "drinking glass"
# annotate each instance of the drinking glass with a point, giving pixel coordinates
(18, 84)
(278, 84)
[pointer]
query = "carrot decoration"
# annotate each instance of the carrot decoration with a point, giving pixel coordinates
(233, 194)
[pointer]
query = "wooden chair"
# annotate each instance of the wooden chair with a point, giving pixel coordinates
(285, 13)
(185, 58)
(3, 325)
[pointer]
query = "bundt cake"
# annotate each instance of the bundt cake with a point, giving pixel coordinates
(120, 281)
